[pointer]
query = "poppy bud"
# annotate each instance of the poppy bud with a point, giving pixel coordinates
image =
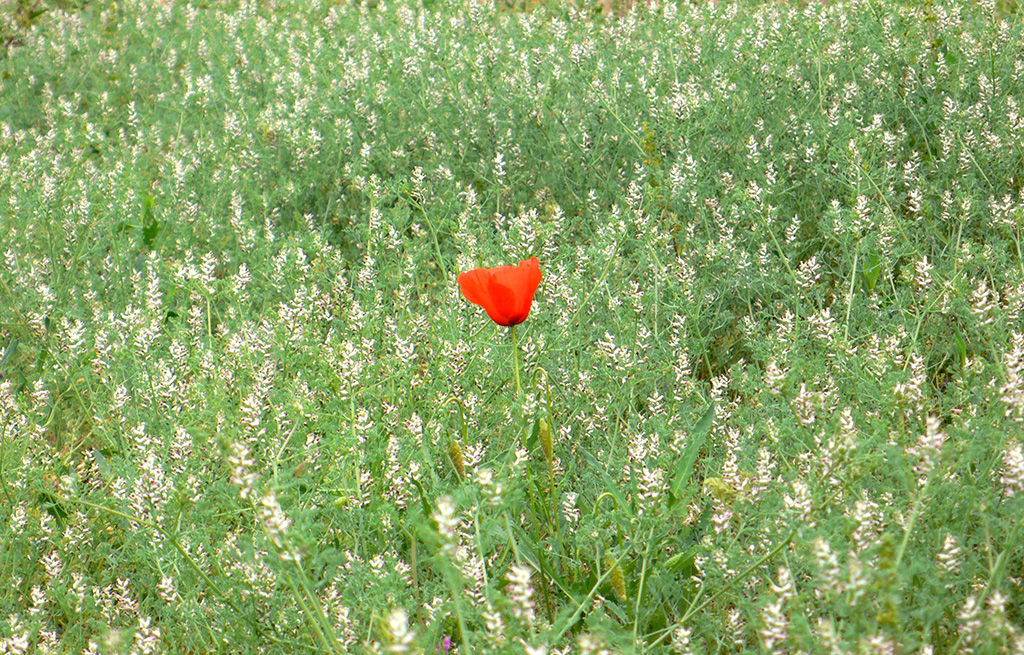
(455, 454)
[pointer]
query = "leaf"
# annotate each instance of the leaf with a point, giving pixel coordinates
(685, 467)
(534, 438)
(51, 504)
(528, 549)
(150, 226)
(8, 353)
(681, 561)
(614, 609)
(428, 508)
(872, 270)
(101, 463)
(961, 347)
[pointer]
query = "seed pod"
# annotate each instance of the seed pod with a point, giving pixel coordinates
(455, 454)
(546, 443)
(616, 577)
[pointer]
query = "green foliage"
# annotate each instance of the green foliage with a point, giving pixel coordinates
(772, 385)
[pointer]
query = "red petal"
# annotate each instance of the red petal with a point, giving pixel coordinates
(505, 292)
(502, 303)
(474, 285)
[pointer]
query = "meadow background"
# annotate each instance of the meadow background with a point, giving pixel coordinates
(773, 388)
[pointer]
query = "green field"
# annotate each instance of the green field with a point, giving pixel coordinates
(769, 397)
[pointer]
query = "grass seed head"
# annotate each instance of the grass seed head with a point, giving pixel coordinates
(545, 440)
(617, 578)
(458, 462)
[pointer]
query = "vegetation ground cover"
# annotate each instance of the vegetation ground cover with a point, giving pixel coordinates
(771, 395)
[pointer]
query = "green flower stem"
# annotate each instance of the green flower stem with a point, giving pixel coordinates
(515, 360)
(533, 498)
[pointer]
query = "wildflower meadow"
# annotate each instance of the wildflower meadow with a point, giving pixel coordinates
(496, 326)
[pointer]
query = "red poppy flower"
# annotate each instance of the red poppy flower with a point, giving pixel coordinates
(506, 292)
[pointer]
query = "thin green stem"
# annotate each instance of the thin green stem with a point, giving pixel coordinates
(297, 595)
(849, 296)
(918, 508)
(564, 625)
(177, 546)
(640, 586)
(694, 607)
(994, 572)
(318, 618)
(553, 513)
